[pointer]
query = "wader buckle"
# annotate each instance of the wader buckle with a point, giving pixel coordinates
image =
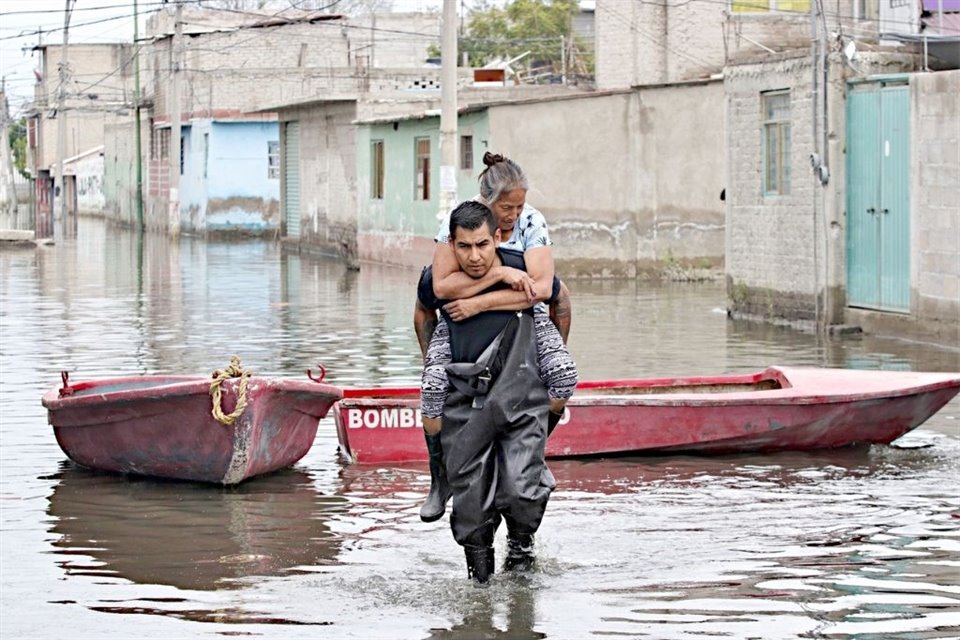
(483, 386)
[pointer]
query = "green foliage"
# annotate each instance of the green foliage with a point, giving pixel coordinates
(520, 26)
(18, 144)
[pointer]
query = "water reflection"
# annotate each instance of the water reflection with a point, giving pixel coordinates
(831, 543)
(190, 536)
(501, 612)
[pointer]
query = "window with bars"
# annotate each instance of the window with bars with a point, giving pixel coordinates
(273, 159)
(422, 182)
(160, 144)
(466, 153)
(776, 142)
(376, 170)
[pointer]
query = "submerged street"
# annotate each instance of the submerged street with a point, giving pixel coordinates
(858, 542)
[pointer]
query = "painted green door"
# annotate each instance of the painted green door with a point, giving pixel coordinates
(291, 178)
(878, 198)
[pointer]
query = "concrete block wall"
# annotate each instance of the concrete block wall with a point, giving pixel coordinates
(120, 172)
(248, 69)
(935, 197)
(618, 45)
(634, 183)
(393, 40)
(641, 43)
(770, 240)
(328, 180)
(100, 85)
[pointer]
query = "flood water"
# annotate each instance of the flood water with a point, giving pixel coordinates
(858, 543)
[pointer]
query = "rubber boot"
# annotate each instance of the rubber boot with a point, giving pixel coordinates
(479, 563)
(436, 502)
(553, 419)
(519, 552)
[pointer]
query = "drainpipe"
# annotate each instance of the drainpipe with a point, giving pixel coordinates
(815, 158)
(136, 102)
(823, 171)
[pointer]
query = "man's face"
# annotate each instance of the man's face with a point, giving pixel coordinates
(476, 249)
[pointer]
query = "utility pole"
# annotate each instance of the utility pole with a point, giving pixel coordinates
(563, 59)
(448, 108)
(174, 214)
(64, 77)
(136, 110)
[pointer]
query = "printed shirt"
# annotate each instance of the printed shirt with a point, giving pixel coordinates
(529, 231)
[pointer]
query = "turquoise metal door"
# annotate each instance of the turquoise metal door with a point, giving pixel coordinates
(863, 188)
(291, 178)
(894, 212)
(878, 198)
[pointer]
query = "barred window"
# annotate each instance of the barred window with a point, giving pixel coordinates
(273, 159)
(466, 153)
(422, 181)
(776, 142)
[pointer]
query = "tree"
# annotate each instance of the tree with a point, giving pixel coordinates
(18, 144)
(541, 27)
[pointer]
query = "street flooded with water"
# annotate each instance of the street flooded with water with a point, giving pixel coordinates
(861, 542)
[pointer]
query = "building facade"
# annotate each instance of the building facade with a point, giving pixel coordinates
(617, 205)
(97, 94)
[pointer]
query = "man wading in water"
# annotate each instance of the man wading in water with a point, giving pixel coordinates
(493, 401)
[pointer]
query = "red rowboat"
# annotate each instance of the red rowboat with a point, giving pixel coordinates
(779, 408)
(164, 426)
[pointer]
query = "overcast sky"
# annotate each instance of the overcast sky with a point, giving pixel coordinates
(91, 21)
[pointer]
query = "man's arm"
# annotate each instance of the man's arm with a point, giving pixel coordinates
(561, 312)
(424, 323)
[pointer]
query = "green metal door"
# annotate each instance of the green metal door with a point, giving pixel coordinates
(291, 178)
(878, 199)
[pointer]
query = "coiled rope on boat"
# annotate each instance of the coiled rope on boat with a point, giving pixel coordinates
(219, 375)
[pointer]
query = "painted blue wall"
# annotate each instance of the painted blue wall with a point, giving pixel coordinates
(193, 187)
(240, 193)
(225, 183)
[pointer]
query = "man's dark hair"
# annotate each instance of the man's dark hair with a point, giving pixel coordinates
(471, 215)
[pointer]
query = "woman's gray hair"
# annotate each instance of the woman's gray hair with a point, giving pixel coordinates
(502, 175)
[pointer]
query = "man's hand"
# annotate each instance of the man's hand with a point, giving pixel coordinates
(518, 281)
(463, 309)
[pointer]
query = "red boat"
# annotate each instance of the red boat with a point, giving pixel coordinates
(779, 408)
(164, 425)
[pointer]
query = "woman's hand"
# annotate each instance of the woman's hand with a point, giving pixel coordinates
(463, 309)
(518, 281)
